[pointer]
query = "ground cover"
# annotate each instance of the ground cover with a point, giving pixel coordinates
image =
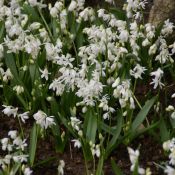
(85, 90)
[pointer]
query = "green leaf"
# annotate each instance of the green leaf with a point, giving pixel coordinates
(10, 62)
(33, 144)
(100, 166)
(91, 126)
(107, 129)
(34, 74)
(164, 133)
(66, 124)
(1, 31)
(117, 132)
(115, 168)
(59, 143)
(33, 15)
(142, 114)
(15, 168)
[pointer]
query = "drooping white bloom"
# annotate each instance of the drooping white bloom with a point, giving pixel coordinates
(77, 143)
(134, 155)
(95, 149)
(20, 144)
(10, 110)
(137, 71)
(169, 170)
(20, 158)
(12, 134)
(7, 75)
(61, 167)
(24, 116)
(54, 12)
(72, 6)
(173, 95)
(43, 120)
(27, 171)
(6, 145)
(164, 54)
(32, 45)
(35, 26)
(19, 89)
(75, 123)
(152, 49)
(109, 1)
(45, 73)
(156, 81)
(34, 3)
(167, 27)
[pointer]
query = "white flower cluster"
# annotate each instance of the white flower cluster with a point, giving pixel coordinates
(43, 120)
(123, 92)
(10, 110)
(134, 156)
(15, 147)
(171, 108)
(169, 146)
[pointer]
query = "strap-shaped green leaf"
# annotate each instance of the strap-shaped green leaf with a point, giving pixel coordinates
(142, 114)
(33, 144)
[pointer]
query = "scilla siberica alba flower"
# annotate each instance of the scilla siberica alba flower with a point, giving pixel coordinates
(43, 120)
(133, 156)
(10, 110)
(45, 73)
(137, 71)
(156, 81)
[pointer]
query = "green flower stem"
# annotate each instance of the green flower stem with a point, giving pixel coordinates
(46, 25)
(20, 125)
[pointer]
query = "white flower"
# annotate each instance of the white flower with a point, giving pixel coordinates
(157, 78)
(134, 155)
(169, 170)
(75, 122)
(12, 134)
(116, 83)
(45, 73)
(20, 158)
(61, 167)
(19, 89)
(95, 149)
(170, 108)
(7, 159)
(77, 143)
(43, 120)
(24, 116)
(4, 143)
(72, 6)
(146, 42)
(167, 27)
(21, 144)
(152, 49)
(27, 171)
(34, 26)
(109, 1)
(137, 71)
(173, 95)
(54, 12)
(10, 110)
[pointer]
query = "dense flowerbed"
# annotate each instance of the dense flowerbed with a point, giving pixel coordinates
(97, 78)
